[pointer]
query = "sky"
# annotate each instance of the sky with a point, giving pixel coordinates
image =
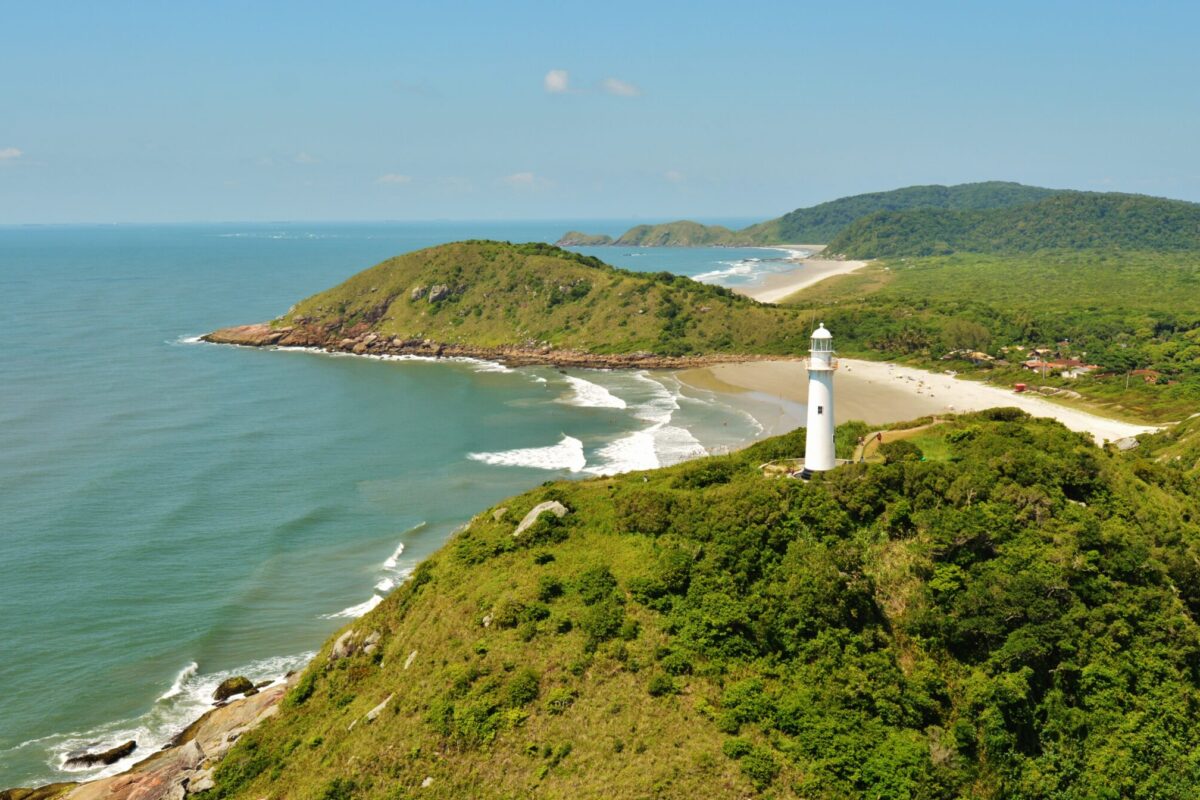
(182, 112)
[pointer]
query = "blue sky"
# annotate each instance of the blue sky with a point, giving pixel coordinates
(161, 111)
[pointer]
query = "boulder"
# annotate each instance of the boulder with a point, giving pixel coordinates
(1128, 443)
(377, 710)
(418, 292)
(371, 643)
(239, 684)
(499, 513)
(344, 646)
(110, 756)
(439, 292)
(202, 781)
(553, 506)
(411, 658)
(360, 348)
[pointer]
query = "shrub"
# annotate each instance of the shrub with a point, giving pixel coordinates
(676, 664)
(338, 789)
(549, 587)
(595, 584)
(661, 685)
(760, 767)
(644, 511)
(707, 472)
(601, 622)
(902, 450)
(736, 748)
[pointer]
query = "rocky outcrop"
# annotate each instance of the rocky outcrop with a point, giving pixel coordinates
(531, 354)
(238, 684)
(438, 293)
(551, 506)
(186, 766)
(110, 756)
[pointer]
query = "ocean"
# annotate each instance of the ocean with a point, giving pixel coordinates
(173, 512)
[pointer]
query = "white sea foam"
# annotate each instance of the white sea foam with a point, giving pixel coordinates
(394, 558)
(659, 444)
(355, 611)
(190, 340)
(189, 696)
(385, 585)
(743, 268)
(591, 395)
(567, 454)
(185, 675)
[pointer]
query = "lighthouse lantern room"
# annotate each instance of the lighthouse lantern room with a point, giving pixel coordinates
(818, 442)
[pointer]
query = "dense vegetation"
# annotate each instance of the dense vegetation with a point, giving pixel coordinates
(821, 223)
(495, 293)
(1074, 220)
(1123, 311)
(1012, 618)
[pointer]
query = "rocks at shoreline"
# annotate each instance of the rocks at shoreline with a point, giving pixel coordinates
(106, 757)
(238, 684)
(361, 341)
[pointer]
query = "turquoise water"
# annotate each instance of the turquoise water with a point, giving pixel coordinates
(174, 512)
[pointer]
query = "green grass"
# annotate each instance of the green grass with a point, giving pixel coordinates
(1013, 617)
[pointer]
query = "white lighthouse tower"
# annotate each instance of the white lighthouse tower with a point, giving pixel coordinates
(818, 442)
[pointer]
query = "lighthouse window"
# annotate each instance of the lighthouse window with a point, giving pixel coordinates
(820, 409)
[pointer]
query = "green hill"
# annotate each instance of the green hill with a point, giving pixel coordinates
(822, 222)
(1071, 220)
(537, 297)
(1014, 617)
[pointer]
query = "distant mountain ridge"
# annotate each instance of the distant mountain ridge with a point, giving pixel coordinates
(1067, 220)
(822, 222)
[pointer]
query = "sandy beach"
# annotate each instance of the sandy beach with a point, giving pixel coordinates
(879, 392)
(807, 271)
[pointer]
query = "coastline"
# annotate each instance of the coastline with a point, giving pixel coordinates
(263, 335)
(807, 272)
(879, 392)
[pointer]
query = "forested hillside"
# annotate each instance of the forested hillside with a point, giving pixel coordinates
(820, 223)
(1012, 615)
(1070, 220)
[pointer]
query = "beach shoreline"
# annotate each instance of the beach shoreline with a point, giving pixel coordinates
(807, 272)
(881, 393)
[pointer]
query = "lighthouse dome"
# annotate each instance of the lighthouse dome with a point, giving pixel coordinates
(822, 333)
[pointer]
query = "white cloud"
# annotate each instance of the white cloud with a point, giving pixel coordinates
(9, 153)
(674, 176)
(526, 181)
(305, 158)
(394, 178)
(619, 88)
(557, 81)
(520, 180)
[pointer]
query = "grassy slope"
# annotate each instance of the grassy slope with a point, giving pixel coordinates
(824, 221)
(1122, 310)
(1017, 620)
(504, 294)
(1074, 220)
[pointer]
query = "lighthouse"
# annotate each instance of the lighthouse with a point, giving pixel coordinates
(818, 441)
